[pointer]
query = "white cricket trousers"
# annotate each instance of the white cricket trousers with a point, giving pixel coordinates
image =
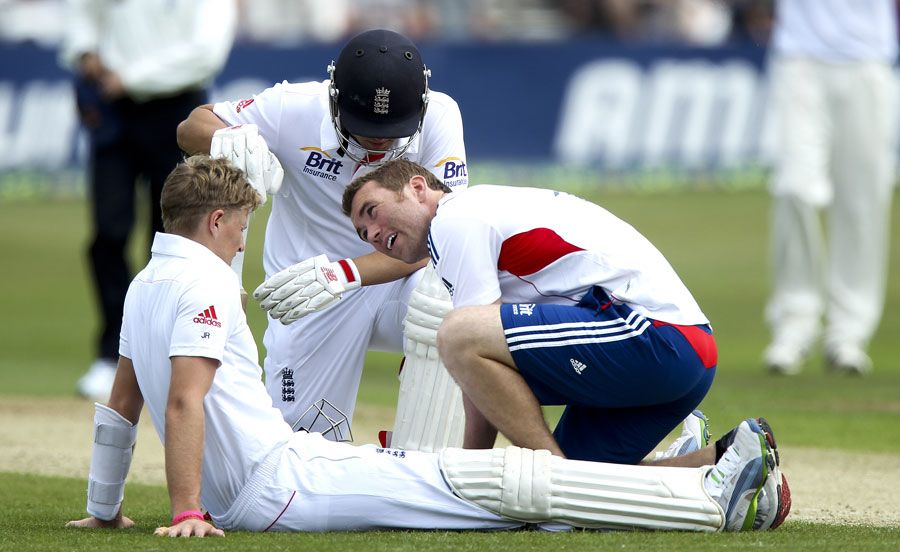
(322, 355)
(313, 484)
(837, 141)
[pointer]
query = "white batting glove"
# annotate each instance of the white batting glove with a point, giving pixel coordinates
(306, 287)
(247, 150)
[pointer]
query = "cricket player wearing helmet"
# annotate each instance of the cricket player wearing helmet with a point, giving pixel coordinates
(375, 106)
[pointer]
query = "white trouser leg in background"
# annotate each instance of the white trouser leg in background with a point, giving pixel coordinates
(797, 251)
(430, 413)
(800, 187)
(863, 163)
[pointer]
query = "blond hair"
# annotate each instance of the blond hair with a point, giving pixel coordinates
(200, 185)
(393, 175)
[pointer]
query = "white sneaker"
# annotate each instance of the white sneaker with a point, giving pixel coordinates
(738, 477)
(848, 359)
(694, 436)
(96, 384)
(784, 359)
(774, 502)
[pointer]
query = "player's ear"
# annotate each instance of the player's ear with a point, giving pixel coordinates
(419, 186)
(214, 221)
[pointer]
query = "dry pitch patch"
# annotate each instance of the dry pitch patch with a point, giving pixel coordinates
(53, 436)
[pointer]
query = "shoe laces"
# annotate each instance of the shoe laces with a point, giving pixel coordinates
(723, 471)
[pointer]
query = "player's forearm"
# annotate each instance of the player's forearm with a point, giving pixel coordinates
(126, 397)
(185, 426)
(195, 133)
(376, 268)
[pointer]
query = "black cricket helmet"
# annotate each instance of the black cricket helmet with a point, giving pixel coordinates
(379, 88)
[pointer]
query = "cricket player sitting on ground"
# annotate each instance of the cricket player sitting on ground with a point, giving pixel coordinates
(187, 351)
(556, 302)
(375, 106)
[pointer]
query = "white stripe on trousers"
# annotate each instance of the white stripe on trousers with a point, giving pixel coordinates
(591, 332)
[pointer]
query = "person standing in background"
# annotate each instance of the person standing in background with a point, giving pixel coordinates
(834, 104)
(141, 66)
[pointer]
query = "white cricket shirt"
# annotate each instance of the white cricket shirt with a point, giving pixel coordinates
(306, 218)
(530, 245)
(186, 302)
(157, 47)
(836, 30)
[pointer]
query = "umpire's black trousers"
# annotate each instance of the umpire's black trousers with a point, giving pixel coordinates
(131, 142)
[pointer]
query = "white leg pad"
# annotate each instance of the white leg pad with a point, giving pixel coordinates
(430, 413)
(534, 486)
(114, 438)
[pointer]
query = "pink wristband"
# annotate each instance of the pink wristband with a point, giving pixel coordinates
(187, 514)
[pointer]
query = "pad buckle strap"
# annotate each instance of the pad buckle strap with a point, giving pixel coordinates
(108, 494)
(115, 436)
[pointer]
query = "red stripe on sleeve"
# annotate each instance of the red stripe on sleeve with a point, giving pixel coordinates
(348, 272)
(529, 252)
(212, 310)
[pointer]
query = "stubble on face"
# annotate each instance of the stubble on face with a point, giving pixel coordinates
(401, 228)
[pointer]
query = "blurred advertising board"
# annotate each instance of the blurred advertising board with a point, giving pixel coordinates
(557, 109)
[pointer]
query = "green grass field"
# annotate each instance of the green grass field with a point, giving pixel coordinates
(716, 241)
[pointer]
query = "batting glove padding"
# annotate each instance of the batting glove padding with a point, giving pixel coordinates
(306, 287)
(247, 150)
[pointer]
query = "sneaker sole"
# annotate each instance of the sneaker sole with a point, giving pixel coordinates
(767, 455)
(704, 428)
(774, 462)
(703, 422)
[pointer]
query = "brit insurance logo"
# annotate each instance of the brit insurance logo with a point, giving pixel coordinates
(320, 164)
(208, 317)
(454, 171)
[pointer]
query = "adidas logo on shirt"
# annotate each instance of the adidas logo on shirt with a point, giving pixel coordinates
(578, 365)
(208, 316)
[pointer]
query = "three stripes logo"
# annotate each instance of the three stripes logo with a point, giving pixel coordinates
(578, 366)
(208, 317)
